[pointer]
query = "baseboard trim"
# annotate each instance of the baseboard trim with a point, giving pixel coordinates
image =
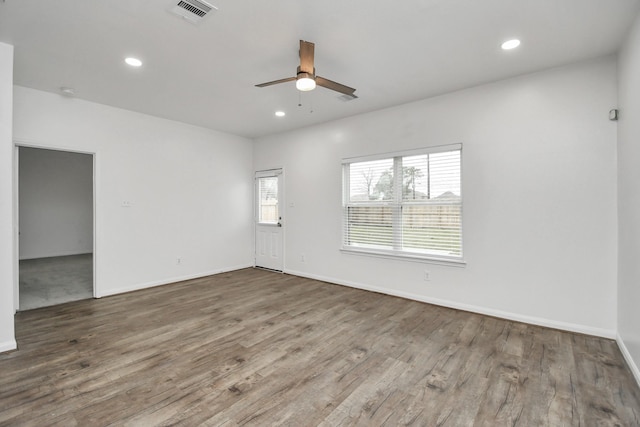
(140, 286)
(627, 357)
(8, 346)
(564, 326)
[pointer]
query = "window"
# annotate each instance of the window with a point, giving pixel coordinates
(404, 204)
(268, 200)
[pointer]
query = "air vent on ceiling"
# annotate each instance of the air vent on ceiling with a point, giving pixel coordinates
(347, 98)
(192, 10)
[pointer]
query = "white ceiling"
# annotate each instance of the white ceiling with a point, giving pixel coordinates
(204, 74)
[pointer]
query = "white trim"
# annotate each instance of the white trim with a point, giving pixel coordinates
(278, 172)
(16, 229)
(627, 357)
(95, 222)
(140, 286)
(8, 346)
(396, 205)
(404, 256)
(268, 172)
(413, 152)
(564, 326)
(27, 143)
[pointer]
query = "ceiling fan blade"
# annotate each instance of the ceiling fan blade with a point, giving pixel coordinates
(329, 84)
(275, 82)
(306, 57)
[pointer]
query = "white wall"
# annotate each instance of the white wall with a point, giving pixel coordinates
(7, 273)
(629, 199)
(189, 189)
(56, 203)
(539, 191)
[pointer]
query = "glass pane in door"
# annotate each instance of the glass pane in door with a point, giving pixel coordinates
(268, 200)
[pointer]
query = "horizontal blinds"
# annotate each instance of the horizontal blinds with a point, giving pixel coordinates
(431, 176)
(405, 204)
(405, 153)
(369, 181)
(433, 229)
(370, 226)
(268, 200)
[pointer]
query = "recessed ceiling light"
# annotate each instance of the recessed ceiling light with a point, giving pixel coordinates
(67, 91)
(510, 44)
(134, 62)
(280, 113)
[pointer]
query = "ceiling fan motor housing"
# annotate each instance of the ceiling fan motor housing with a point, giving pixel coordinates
(305, 74)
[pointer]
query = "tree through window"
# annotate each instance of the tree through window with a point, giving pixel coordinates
(405, 204)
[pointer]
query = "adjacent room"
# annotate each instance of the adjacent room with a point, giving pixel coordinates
(55, 203)
(320, 213)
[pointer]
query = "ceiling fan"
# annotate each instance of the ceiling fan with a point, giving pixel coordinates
(306, 78)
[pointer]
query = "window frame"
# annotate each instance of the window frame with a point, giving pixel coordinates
(396, 205)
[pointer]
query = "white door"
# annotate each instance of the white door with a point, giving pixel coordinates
(269, 221)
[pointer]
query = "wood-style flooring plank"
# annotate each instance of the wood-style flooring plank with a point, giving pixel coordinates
(258, 348)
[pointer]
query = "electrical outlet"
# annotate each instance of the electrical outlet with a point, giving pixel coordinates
(427, 275)
(302, 258)
(179, 260)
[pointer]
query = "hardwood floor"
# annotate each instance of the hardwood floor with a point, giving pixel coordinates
(253, 347)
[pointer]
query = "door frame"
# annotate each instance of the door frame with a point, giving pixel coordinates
(281, 211)
(17, 144)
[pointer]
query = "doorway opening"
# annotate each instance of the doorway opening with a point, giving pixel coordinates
(56, 227)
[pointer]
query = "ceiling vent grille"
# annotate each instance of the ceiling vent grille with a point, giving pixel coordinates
(192, 10)
(347, 98)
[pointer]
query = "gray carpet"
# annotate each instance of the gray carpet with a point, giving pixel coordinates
(55, 280)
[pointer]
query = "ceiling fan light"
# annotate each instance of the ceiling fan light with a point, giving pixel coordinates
(305, 84)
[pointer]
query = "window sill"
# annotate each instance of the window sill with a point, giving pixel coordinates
(429, 259)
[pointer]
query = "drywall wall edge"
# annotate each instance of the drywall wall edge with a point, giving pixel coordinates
(627, 357)
(8, 346)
